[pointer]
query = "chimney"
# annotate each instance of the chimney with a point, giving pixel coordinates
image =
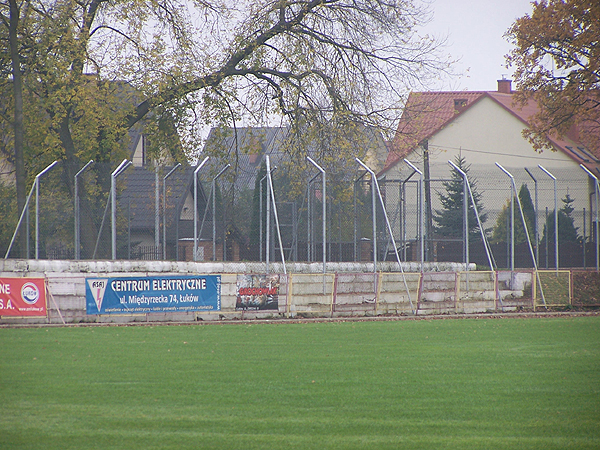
(504, 86)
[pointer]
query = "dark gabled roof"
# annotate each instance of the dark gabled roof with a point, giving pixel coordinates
(245, 149)
(136, 200)
(137, 197)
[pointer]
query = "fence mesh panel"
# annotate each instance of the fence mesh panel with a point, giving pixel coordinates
(556, 287)
(153, 217)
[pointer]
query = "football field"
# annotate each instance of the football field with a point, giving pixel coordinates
(508, 383)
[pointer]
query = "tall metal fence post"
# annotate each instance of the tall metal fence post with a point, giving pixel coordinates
(584, 239)
(25, 212)
(113, 203)
(164, 210)
(555, 216)
(268, 224)
(27, 222)
(514, 188)
(214, 214)
(466, 227)
(389, 228)
(546, 240)
(156, 212)
(196, 207)
(309, 220)
(260, 222)
(421, 215)
(77, 243)
(535, 219)
(513, 193)
(355, 222)
(357, 249)
(373, 220)
(37, 207)
(37, 216)
(324, 213)
(403, 219)
(272, 198)
(596, 194)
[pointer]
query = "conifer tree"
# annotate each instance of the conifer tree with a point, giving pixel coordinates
(449, 220)
(528, 209)
(567, 231)
(501, 229)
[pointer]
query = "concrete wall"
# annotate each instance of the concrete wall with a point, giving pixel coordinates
(346, 289)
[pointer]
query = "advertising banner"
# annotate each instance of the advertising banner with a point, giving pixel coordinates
(22, 297)
(136, 295)
(257, 292)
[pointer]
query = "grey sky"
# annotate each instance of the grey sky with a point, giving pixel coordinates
(475, 30)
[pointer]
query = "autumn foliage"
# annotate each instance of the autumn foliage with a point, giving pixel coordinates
(557, 62)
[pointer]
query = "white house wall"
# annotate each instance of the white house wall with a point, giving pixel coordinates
(139, 158)
(487, 133)
(187, 212)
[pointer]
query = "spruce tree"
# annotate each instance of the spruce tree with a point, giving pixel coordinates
(449, 220)
(501, 229)
(528, 210)
(567, 231)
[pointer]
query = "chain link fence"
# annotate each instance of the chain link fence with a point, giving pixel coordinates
(159, 213)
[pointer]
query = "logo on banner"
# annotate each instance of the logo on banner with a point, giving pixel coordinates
(97, 288)
(30, 293)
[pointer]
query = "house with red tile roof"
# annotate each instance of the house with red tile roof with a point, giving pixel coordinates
(481, 126)
(485, 128)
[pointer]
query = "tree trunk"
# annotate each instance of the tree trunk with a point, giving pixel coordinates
(18, 117)
(70, 168)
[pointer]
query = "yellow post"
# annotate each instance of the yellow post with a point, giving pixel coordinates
(570, 272)
(378, 293)
(332, 296)
(289, 295)
(457, 290)
(535, 278)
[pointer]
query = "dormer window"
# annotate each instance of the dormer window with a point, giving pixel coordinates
(460, 104)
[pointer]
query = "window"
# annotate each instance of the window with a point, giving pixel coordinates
(460, 104)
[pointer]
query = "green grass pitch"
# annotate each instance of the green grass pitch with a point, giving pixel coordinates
(425, 384)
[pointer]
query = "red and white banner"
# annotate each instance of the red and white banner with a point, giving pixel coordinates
(22, 297)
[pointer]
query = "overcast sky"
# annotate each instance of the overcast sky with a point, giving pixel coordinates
(475, 30)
